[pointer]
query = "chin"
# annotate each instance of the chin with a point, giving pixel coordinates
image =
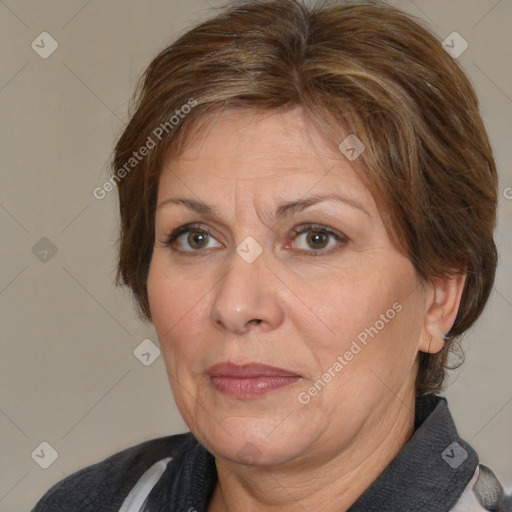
(254, 441)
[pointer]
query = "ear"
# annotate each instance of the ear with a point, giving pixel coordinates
(442, 305)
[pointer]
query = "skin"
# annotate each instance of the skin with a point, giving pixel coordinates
(206, 302)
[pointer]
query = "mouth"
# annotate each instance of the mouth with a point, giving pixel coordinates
(249, 380)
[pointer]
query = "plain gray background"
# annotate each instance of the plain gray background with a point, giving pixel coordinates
(68, 371)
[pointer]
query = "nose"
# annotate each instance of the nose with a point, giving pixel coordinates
(246, 298)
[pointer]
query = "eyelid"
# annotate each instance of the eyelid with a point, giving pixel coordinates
(188, 227)
(302, 228)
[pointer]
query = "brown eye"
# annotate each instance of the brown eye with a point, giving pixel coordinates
(197, 239)
(190, 239)
(317, 239)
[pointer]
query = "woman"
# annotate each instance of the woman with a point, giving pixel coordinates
(307, 200)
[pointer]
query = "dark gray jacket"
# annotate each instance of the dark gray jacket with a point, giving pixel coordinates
(436, 471)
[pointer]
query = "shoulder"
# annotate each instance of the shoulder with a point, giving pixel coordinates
(484, 492)
(105, 485)
(489, 491)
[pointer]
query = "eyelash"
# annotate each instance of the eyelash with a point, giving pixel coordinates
(169, 241)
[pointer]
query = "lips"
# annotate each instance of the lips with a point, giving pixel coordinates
(249, 380)
(248, 371)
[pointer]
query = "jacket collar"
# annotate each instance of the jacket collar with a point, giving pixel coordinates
(430, 472)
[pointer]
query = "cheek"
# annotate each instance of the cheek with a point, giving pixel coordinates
(177, 310)
(341, 306)
(178, 317)
(365, 316)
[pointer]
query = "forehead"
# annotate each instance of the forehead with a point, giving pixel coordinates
(260, 147)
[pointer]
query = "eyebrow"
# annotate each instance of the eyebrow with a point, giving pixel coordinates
(284, 210)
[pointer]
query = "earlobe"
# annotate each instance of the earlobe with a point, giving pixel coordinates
(435, 344)
(442, 308)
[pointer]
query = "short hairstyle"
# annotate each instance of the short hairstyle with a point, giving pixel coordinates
(359, 67)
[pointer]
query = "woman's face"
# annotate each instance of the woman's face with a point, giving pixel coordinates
(314, 289)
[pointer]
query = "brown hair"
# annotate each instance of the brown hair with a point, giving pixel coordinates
(361, 67)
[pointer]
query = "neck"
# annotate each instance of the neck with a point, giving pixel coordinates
(335, 484)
